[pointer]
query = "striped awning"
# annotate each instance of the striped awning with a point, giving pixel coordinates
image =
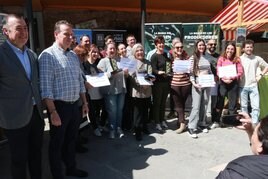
(254, 11)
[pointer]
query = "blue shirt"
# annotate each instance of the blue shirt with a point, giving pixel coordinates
(23, 57)
(60, 74)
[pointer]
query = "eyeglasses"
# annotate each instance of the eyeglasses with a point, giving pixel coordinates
(212, 44)
(179, 47)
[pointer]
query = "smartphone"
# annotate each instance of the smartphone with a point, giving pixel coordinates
(232, 120)
(149, 77)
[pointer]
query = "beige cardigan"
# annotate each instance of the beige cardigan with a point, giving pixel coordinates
(137, 90)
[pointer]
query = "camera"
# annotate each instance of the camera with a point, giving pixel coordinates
(232, 120)
(149, 77)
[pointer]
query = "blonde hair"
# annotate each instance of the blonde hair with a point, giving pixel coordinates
(135, 47)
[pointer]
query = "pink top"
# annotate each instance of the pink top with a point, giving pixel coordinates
(224, 62)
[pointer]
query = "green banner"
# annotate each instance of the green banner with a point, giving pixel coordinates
(263, 86)
(194, 31)
(167, 30)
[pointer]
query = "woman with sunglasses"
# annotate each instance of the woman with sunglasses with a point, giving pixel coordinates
(180, 85)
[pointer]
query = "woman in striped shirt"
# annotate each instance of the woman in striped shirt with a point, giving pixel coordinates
(180, 85)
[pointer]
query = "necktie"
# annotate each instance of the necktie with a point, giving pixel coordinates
(113, 64)
(168, 67)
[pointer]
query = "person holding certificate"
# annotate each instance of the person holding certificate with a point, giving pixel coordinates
(200, 74)
(213, 57)
(114, 95)
(180, 84)
(97, 113)
(229, 70)
(141, 94)
(161, 66)
(126, 63)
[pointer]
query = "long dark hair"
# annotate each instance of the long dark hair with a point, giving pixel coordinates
(197, 55)
(233, 58)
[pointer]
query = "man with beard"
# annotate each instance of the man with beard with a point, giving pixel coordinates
(249, 81)
(213, 58)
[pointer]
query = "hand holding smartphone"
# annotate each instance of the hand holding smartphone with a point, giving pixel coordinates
(232, 120)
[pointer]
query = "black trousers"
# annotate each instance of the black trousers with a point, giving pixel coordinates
(230, 90)
(140, 112)
(97, 113)
(160, 93)
(63, 138)
(26, 148)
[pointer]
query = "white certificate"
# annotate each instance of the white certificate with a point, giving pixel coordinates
(98, 80)
(206, 80)
(141, 80)
(181, 66)
(130, 64)
(227, 71)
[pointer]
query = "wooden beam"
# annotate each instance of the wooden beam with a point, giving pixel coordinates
(260, 21)
(239, 21)
(240, 12)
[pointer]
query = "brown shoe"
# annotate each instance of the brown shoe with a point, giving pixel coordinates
(181, 129)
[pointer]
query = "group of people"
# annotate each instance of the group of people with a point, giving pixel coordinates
(242, 78)
(57, 81)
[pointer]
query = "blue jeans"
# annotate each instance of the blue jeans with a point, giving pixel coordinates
(253, 94)
(114, 106)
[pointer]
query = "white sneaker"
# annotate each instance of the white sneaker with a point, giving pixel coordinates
(164, 125)
(158, 127)
(97, 132)
(203, 129)
(215, 125)
(192, 133)
(120, 132)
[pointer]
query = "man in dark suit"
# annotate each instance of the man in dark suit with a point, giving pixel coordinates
(21, 114)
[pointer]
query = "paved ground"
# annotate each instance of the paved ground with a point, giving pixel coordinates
(156, 157)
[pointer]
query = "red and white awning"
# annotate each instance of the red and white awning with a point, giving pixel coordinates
(253, 10)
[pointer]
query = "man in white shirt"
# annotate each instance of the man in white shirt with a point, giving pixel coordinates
(249, 81)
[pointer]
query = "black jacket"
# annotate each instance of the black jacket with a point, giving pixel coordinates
(250, 167)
